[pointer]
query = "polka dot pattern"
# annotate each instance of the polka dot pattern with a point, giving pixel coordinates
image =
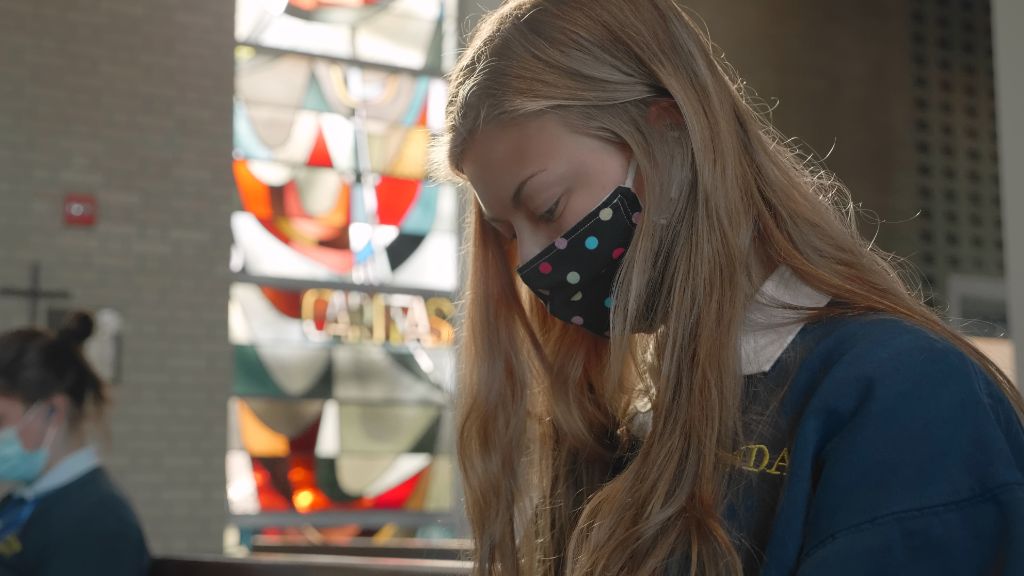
(575, 274)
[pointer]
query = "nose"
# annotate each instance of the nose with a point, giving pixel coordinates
(528, 245)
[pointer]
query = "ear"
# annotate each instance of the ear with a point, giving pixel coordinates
(665, 111)
(62, 408)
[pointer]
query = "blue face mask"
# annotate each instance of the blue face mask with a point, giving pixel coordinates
(18, 464)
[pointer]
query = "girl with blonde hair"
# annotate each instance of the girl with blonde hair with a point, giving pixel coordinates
(679, 356)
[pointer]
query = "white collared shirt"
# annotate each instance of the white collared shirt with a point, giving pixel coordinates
(70, 468)
(772, 321)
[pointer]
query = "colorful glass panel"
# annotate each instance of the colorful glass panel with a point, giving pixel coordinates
(341, 316)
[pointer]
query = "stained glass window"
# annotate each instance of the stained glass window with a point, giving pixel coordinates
(329, 163)
(403, 33)
(344, 253)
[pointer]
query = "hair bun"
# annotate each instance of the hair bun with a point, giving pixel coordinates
(77, 328)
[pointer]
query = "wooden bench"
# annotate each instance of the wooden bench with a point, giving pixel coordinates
(417, 549)
(303, 565)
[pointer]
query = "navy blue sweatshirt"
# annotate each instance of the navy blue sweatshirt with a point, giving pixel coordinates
(878, 448)
(85, 528)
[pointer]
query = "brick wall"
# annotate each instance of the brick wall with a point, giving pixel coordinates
(131, 101)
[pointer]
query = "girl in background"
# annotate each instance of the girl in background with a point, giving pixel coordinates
(66, 516)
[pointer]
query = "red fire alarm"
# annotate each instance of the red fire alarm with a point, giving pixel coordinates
(80, 210)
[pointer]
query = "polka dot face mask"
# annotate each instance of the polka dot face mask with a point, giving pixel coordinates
(573, 276)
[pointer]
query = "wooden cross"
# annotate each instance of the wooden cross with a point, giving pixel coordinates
(34, 293)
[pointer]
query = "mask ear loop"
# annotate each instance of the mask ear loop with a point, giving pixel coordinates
(50, 428)
(631, 174)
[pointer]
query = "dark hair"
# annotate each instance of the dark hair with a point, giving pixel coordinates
(38, 364)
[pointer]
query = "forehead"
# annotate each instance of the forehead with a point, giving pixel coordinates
(514, 146)
(502, 155)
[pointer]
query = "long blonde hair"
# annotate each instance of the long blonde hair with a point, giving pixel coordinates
(542, 405)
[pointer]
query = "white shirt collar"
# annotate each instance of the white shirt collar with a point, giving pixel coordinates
(70, 468)
(773, 319)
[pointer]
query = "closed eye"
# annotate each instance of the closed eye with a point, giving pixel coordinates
(551, 213)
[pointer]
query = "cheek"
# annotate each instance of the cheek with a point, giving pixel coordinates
(530, 242)
(33, 434)
(581, 204)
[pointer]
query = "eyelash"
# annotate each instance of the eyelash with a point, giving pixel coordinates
(549, 214)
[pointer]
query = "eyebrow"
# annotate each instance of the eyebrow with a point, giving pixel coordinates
(518, 193)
